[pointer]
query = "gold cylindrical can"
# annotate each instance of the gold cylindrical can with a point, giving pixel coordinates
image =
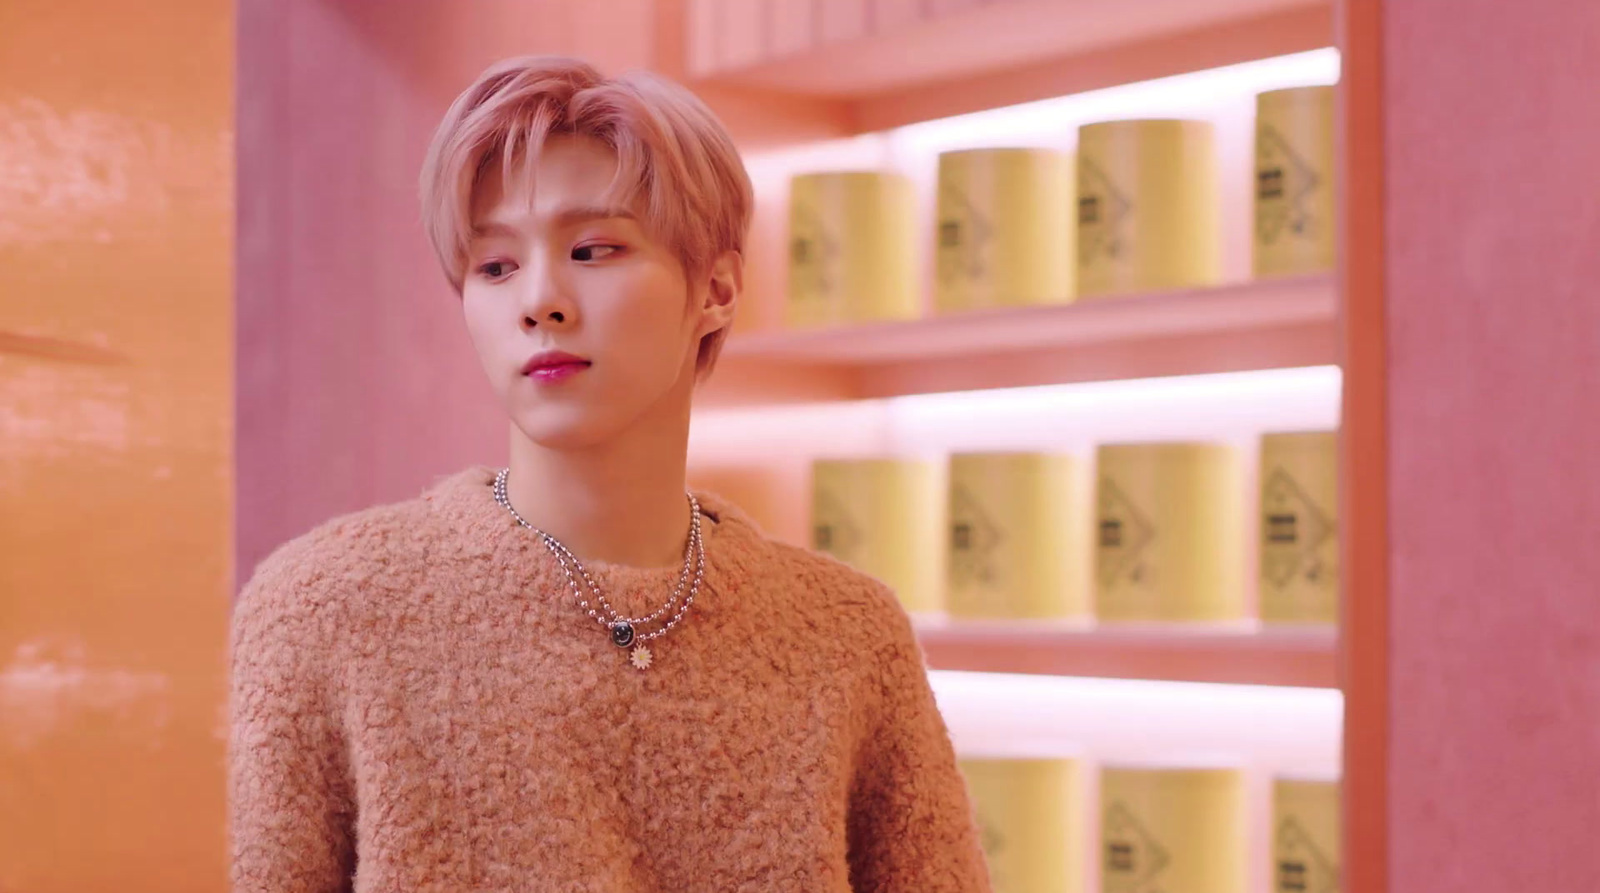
(1296, 190)
(1028, 814)
(1019, 525)
(1305, 836)
(1299, 581)
(1005, 229)
(1148, 212)
(852, 248)
(1172, 830)
(1169, 533)
(884, 517)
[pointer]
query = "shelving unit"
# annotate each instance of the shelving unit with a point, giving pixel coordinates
(1230, 328)
(1239, 326)
(1303, 658)
(873, 82)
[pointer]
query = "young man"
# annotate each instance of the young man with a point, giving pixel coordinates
(570, 674)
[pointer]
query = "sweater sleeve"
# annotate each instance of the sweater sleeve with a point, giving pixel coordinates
(911, 824)
(290, 803)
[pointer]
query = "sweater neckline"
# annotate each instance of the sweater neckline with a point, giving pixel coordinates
(731, 544)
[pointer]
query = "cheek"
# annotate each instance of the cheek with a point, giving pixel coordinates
(482, 327)
(472, 315)
(653, 321)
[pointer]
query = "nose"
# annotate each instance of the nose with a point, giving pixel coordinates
(545, 300)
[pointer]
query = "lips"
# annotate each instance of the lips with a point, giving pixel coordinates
(554, 365)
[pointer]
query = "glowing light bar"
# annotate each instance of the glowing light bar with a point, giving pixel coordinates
(1271, 729)
(1234, 407)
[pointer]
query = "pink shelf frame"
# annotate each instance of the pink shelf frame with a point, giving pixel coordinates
(1289, 657)
(1256, 325)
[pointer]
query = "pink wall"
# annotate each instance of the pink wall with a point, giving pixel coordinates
(1493, 148)
(356, 383)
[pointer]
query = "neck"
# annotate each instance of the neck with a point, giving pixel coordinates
(620, 503)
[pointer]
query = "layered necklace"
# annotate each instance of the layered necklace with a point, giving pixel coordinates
(626, 633)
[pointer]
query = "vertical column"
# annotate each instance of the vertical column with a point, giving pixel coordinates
(1364, 451)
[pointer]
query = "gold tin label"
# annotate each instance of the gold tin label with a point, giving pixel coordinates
(1295, 189)
(1148, 210)
(1305, 837)
(1028, 814)
(1172, 831)
(1299, 575)
(885, 518)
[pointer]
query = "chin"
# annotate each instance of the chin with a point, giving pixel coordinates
(565, 430)
(570, 434)
(580, 420)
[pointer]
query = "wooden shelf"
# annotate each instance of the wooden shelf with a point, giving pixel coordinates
(1229, 308)
(1305, 658)
(870, 68)
(1259, 325)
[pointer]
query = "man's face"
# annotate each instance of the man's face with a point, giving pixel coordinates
(579, 289)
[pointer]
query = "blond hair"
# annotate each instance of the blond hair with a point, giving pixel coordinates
(676, 163)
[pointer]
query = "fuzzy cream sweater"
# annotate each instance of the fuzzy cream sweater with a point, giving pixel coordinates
(418, 704)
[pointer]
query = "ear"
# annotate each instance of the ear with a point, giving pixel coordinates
(724, 283)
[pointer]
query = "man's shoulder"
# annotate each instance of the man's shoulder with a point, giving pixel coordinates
(846, 613)
(825, 583)
(381, 543)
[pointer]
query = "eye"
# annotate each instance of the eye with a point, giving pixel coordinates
(594, 252)
(496, 269)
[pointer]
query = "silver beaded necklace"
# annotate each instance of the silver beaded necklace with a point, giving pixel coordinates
(624, 630)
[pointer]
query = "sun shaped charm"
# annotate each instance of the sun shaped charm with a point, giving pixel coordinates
(642, 658)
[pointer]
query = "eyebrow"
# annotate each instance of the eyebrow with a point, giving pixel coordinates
(564, 217)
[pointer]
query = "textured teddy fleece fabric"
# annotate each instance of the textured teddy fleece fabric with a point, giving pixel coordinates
(418, 704)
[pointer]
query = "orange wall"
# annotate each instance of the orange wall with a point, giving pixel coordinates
(116, 252)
